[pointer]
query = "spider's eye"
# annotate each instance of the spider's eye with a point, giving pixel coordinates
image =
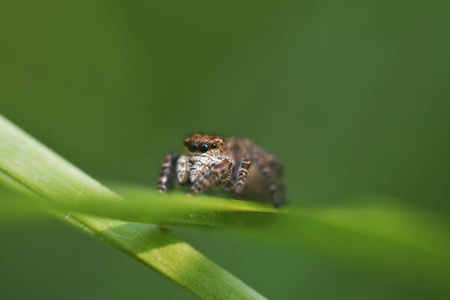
(185, 143)
(213, 145)
(203, 147)
(192, 146)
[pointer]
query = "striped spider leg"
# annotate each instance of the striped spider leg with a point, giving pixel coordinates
(165, 176)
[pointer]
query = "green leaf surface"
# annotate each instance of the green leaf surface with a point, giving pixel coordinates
(34, 170)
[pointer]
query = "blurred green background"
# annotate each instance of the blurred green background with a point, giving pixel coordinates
(352, 95)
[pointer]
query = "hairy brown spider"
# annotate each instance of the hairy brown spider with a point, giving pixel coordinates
(225, 163)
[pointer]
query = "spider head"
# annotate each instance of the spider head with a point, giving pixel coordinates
(203, 143)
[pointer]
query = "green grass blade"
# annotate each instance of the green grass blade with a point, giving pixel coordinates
(29, 167)
(380, 234)
(147, 206)
(395, 239)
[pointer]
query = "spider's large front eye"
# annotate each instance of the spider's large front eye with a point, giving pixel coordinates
(192, 146)
(203, 147)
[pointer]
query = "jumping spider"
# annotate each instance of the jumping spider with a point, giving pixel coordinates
(212, 160)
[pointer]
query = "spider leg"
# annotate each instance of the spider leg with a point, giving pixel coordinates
(265, 171)
(223, 179)
(277, 165)
(208, 178)
(183, 169)
(229, 185)
(166, 167)
(242, 176)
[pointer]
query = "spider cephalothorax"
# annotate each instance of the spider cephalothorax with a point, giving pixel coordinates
(213, 160)
(212, 144)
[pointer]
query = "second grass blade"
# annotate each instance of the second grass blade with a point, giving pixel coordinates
(29, 167)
